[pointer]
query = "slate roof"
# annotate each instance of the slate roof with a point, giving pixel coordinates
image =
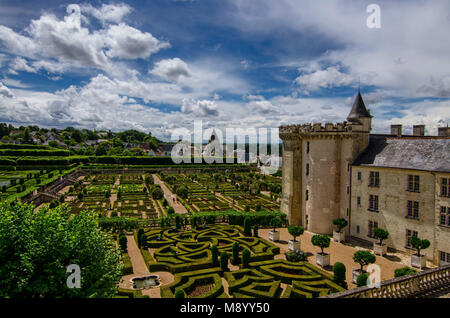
(359, 109)
(430, 154)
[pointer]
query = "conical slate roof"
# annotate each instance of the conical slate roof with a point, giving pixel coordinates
(359, 109)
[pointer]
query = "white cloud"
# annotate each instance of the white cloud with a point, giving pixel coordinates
(58, 45)
(20, 64)
(202, 108)
(4, 91)
(171, 69)
(129, 43)
(107, 12)
(327, 78)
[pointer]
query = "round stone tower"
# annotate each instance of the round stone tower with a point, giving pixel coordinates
(316, 174)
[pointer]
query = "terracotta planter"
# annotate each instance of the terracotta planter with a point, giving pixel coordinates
(338, 236)
(323, 259)
(379, 249)
(418, 261)
(294, 245)
(274, 236)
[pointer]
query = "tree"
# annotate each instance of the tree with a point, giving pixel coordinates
(320, 240)
(37, 247)
(419, 244)
(224, 261)
(182, 192)
(215, 255)
(380, 234)
(275, 223)
(140, 233)
(364, 258)
(245, 258)
(235, 251)
(101, 150)
(255, 230)
(247, 227)
(123, 243)
(157, 193)
(179, 293)
(339, 272)
(170, 210)
(295, 231)
(340, 224)
(177, 220)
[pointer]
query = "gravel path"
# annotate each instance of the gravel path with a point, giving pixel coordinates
(177, 206)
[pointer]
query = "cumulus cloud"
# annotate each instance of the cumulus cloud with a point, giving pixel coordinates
(129, 43)
(20, 64)
(57, 44)
(171, 69)
(203, 108)
(5, 92)
(107, 12)
(327, 78)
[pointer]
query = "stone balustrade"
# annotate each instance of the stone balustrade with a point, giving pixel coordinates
(403, 287)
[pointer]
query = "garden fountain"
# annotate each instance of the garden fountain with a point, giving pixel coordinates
(145, 282)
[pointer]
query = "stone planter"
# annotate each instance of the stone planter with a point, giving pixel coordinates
(379, 249)
(355, 274)
(418, 261)
(323, 259)
(294, 245)
(274, 236)
(338, 236)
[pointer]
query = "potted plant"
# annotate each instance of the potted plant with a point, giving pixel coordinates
(381, 235)
(418, 260)
(363, 258)
(295, 231)
(274, 235)
(322, 241)
(339, 235)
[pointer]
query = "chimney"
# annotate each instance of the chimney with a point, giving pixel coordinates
(444, 131)
(396, 130)
(419, 130)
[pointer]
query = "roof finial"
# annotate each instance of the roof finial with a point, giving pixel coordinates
(359, 84)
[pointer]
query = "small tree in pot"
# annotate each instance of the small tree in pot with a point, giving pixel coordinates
(295, 231)
(274, 235)
(339, 235)
(322, 241)
(418, 260)
(363, 258)
(381, 235)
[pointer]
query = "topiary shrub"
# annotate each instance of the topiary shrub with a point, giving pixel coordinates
(364, 258)
(123, 243)
(404, 271)
(419, 244)
(179, 293)
(255, 230)
(340, 224)
(275, 223)
(170, 210)
(247, 227)
(322, 241)
(380, 234)
(295, 231)
(296, 256)
(362, 280)
(235, 253)
(245, 258)
(215, 255)
(339, 273)
(139, 235)
(224, 261)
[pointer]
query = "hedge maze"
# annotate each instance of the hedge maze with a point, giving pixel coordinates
(187, 254)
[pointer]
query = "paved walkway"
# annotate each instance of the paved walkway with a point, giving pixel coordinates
(140, 269)
(338, 253)
(177, 206)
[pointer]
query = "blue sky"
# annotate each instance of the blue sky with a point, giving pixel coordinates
(159, 65)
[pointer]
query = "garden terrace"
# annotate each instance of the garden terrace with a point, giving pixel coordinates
(182, 250)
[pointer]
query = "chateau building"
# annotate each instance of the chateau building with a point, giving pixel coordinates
(396, 182)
